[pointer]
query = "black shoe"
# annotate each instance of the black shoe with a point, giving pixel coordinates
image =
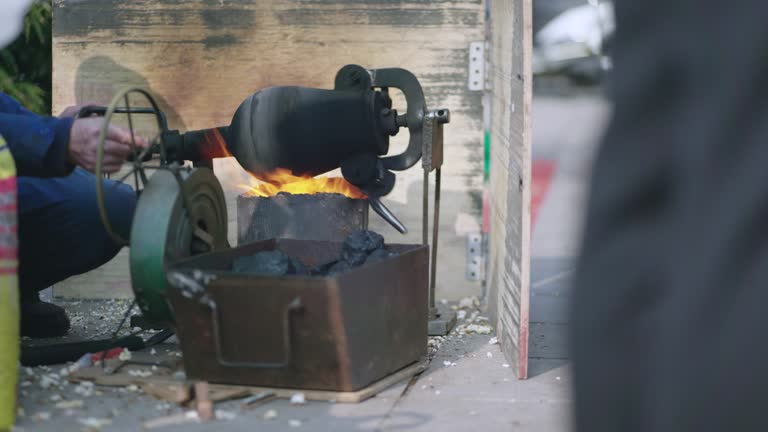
(42, 320)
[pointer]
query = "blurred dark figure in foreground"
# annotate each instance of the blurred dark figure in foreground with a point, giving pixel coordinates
(671, 298)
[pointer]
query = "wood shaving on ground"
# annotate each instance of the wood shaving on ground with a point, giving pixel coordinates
(94, 423)
(85, 389)
(270, 415)
(470, 321)
(42, 416)
(70, 404)
(433, 345)
(476, 328)
(225, 415)
(175, 419)
(139, 373)
(298, 399)
(49, 380)
(125, 355)
(294, 423)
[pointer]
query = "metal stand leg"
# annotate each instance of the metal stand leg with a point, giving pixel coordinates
(441, 319)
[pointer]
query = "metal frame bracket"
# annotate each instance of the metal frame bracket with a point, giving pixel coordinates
(474, 256)
(477, 66)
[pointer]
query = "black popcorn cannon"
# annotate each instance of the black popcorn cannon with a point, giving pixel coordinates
(337, 321)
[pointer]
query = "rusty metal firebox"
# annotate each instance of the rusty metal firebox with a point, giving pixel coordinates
(337, 333)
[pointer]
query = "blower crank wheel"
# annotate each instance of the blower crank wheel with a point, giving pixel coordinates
(180, 212)
(138, 156)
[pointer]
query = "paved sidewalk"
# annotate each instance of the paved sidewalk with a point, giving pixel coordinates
(464, 387)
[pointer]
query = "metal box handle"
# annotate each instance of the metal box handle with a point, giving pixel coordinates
(192, 286)
(294, 306)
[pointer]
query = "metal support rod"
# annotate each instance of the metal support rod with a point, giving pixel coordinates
(425, 209)
(435, 230)
(432, 312)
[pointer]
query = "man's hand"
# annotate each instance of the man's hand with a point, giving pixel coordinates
(73, 110)
(84, 141)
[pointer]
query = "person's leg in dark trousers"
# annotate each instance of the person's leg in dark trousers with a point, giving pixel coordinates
(672, 284)
(61, 235)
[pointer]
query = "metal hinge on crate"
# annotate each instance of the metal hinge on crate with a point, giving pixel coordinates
(475, 258)
(477, 72)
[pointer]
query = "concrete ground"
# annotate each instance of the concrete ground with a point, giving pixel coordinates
(466, 384)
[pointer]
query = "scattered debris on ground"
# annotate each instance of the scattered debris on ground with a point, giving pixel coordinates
(433, 345)
(469, 318)
(129, 376)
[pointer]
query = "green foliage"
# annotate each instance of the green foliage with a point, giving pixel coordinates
(25, 65)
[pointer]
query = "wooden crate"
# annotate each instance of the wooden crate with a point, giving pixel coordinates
(202, 58)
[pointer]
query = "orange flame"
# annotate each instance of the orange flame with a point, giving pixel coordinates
(282, 180)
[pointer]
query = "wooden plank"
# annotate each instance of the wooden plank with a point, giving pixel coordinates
(203, 58)
(510, 174)
(174, 390)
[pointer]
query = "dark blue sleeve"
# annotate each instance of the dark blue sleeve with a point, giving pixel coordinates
(9, 105)
(38, 144)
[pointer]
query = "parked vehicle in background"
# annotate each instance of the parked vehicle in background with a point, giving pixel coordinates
(575, 42)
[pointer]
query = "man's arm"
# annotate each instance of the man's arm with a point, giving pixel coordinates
(9, 105)
(52, 147)
(39, 145)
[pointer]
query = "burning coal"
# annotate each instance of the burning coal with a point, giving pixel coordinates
(283, 181)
